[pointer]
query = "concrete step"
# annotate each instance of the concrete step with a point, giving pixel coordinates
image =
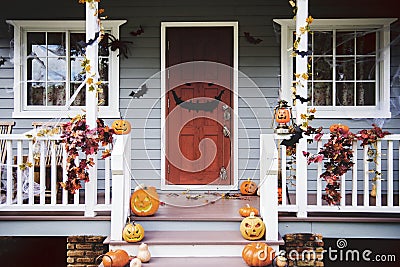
(191, 243)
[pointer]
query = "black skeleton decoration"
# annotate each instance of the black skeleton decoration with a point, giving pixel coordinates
(197, 106)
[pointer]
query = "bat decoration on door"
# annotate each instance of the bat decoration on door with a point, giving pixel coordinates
(302, 99)
(138, 31)
(83, 44)
(141, 92)
(294, 138)
(2, 61)
(303, 53)
(197, 106)
(251, 39)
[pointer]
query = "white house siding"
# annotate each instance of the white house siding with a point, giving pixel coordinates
(260, 62)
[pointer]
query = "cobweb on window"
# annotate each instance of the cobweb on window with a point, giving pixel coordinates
(25, 186)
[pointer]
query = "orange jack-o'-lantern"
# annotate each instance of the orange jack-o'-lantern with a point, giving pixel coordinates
(282, 115)
(258, 254)
(145, 201)
(133, 232)
(252, 227)
(121, 126)
(248, 188)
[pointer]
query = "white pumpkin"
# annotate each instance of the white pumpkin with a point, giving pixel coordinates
(143, 253)
(135, 262)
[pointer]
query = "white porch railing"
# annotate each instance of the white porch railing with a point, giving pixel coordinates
(36, 188)
(356, 184)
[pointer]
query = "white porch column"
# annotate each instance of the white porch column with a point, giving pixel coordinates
(301, 108)
(92, 26)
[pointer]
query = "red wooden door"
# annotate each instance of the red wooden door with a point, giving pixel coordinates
(198, 99)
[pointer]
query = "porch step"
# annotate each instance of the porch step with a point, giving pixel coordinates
(196, 262)
(191, 243)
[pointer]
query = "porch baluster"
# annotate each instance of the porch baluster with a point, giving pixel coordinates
(390, 188)
(354, 175)
(366, 177)
(378, 174)
(31, 174)
(10, 188)
(19, 172)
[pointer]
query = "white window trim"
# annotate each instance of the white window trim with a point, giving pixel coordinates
(21, 27)
(382, 110)
(235, 25)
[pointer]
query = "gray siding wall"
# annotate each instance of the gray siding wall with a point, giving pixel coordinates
(261, 63)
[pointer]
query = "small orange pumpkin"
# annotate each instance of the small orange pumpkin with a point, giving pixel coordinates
(115, 258)
(133, 232)
(339, 127)
(247, 210)
(258, 254)
(248, 188)
(145, 201)
(252, 227)
(121, 126)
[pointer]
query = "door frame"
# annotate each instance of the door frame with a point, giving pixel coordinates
(235, 26)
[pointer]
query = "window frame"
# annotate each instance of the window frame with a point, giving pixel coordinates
(382, 107)
(21, 27)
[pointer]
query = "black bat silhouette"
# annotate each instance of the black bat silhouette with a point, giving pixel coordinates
(90, 42)
(294, 138)
(302, 99)
(141, 92)
(138, 31)
(2, 61)
(251, 39)
(303, 53)
(191, 105)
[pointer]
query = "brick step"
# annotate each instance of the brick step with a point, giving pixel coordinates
(191, 243)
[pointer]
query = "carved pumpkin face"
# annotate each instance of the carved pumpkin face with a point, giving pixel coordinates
(248, 188)
(115, 258)
(133, 232)
(282, 116)
(258, 254)
(252, 227)
(145, 201)
(121, 126)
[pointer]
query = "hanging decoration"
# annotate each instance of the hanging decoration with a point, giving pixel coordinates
(77, 138)
(141, 92)
(198, 106)
(251, 39)
(112, 42)
(2, 61)
(283, 115)
(138, 31)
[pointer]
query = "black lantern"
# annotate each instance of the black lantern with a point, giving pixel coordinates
(283, 115)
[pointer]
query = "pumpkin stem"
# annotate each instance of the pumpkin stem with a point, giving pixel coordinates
(248, 205)
(102, 255)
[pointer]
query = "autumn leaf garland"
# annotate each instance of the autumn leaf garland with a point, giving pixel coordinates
(338, 153)
(79, 140)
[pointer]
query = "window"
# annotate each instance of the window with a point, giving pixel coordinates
(48, 71)
(350, 66)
